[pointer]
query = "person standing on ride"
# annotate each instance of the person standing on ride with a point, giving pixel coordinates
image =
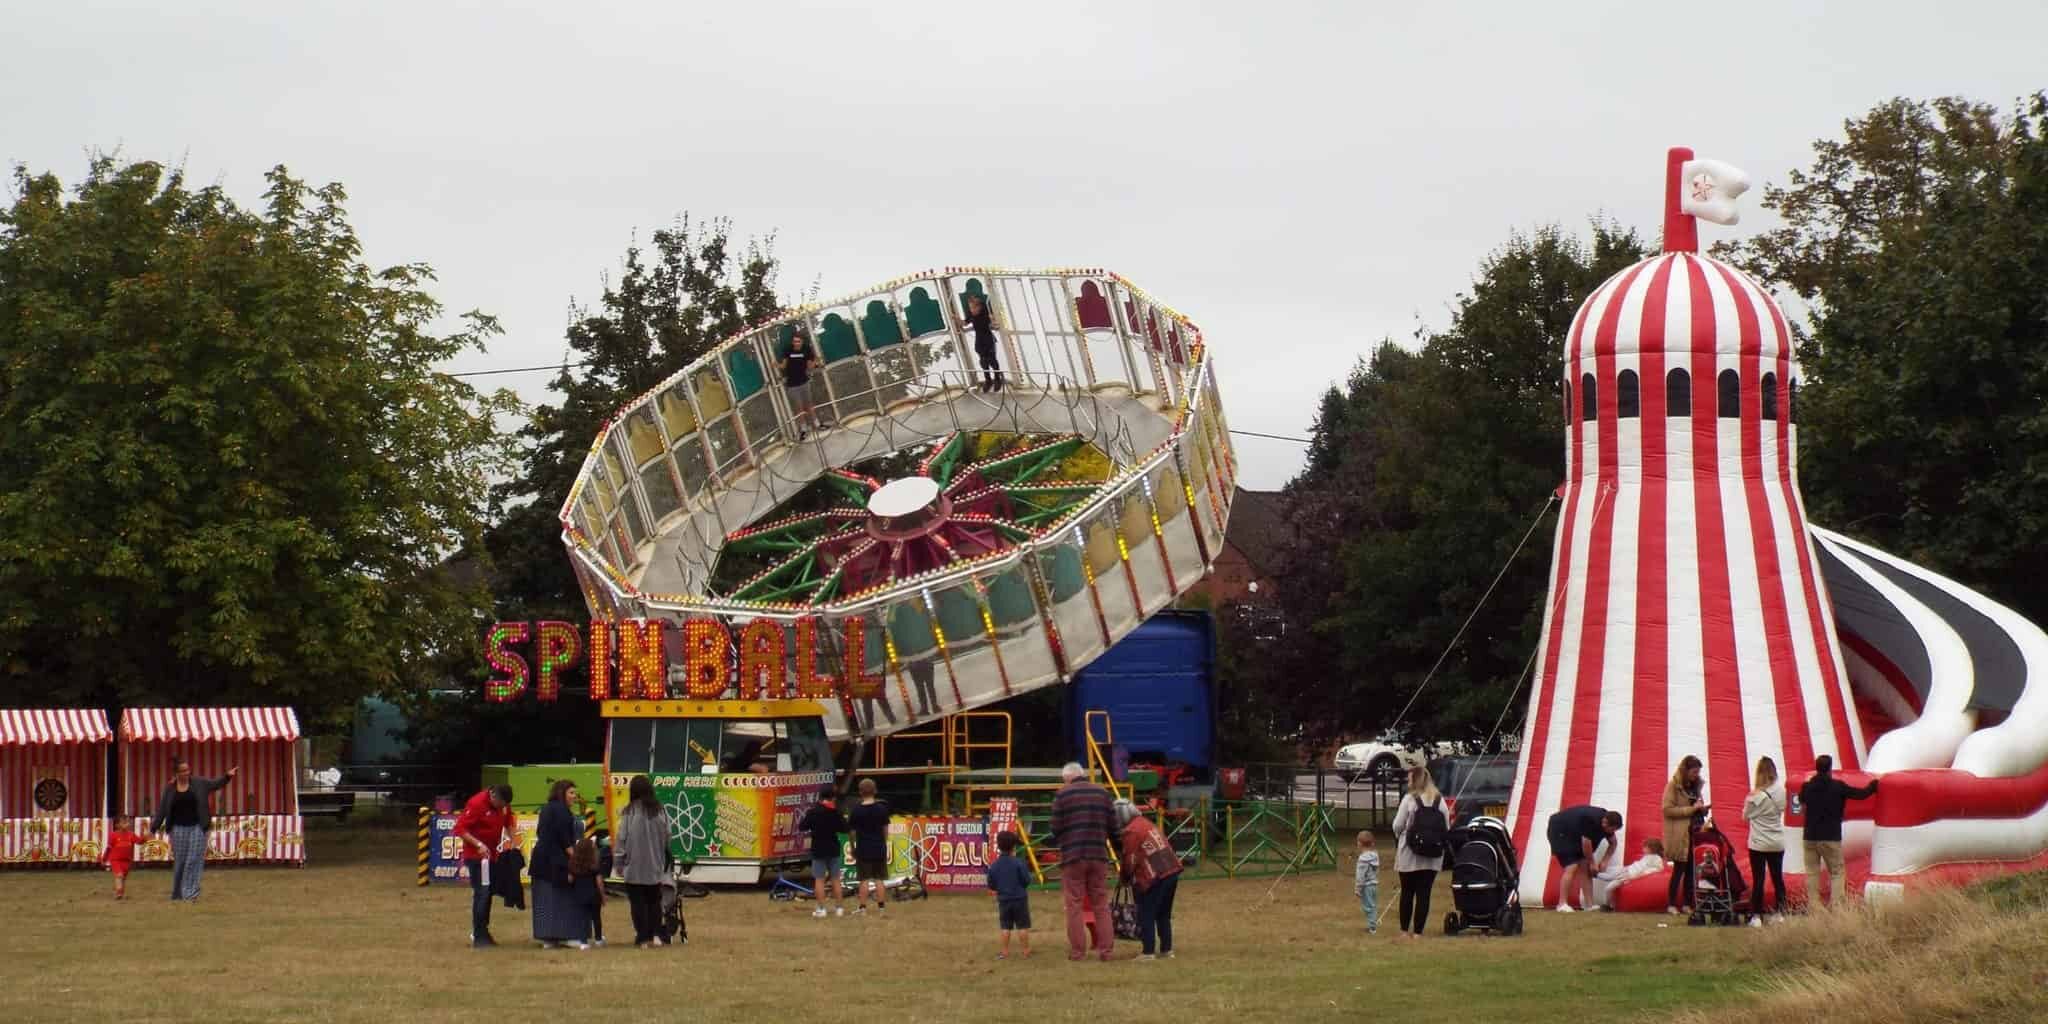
(795, 363)
(184, 806)
(979, 318)
(1764, 809)
(1683, 812)
(558, 918)
(1152, 866)
(642, 855)
(1825, 798)
(1420, 836)
(481, 829)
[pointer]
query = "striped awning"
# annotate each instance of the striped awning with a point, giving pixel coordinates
(21, 727)
(190, 725)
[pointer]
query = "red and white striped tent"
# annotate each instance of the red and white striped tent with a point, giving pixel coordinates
(257, 816)
(53, 785)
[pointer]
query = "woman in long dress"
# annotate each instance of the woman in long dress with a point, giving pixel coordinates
(185, 807)
(558, 919)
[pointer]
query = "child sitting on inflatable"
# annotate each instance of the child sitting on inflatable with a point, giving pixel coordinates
(1615, 875)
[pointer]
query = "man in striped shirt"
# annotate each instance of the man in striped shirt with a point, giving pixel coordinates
(1082, 822)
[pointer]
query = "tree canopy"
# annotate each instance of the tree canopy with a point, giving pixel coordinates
(1919, 238)
(696, 288)
(229, 471)
(1425, 470)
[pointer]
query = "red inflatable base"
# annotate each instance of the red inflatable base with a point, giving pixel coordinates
(1646, 895)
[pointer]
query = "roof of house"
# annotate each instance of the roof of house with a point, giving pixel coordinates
(1260, 528)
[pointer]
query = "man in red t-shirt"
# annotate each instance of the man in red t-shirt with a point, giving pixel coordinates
(485, 823)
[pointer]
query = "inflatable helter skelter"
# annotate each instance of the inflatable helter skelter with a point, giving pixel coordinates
(1693, 609)
(990, 542)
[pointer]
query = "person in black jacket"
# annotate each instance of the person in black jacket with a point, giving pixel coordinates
(981, 321)
(1824, 797)
(185, 807)
(824, 824)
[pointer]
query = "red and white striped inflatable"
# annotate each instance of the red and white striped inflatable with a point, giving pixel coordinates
(1694, 610)
(259, 809)
(1685, 614)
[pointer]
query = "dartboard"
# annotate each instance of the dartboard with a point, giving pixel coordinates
(51, 794)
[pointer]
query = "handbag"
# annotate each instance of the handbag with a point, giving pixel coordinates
(1123, 913)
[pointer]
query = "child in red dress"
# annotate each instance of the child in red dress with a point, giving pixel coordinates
(120, 855)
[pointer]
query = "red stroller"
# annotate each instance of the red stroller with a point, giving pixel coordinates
(1717, 887)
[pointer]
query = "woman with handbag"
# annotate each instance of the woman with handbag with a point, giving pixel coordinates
(558, 918)
(1151, 865)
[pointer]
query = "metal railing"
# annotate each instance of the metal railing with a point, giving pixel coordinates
(1058, 321)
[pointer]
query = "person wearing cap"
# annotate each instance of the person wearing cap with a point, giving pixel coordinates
(824, 824)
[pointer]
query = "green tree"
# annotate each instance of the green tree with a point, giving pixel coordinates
(698, 290)
(1919, 240)
(1426, 471)
(695, 289)
(229, 471)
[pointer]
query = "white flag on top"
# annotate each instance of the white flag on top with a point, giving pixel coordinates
(1709, 190)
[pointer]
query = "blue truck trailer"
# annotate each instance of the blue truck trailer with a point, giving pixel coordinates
(1158, 686)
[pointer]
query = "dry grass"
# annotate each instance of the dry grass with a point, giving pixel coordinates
(1944, 955)
(351, 939)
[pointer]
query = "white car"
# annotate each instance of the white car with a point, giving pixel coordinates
(1383, 758)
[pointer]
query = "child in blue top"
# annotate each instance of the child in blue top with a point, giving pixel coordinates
(1010, 880)
(1367, 882)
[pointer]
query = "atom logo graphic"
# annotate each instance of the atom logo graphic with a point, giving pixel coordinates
(924, 849)
(1702, 187)
(686, 823)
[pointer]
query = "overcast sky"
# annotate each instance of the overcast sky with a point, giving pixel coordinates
(1301, 179)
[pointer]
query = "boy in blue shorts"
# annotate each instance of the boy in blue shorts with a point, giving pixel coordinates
(824, 823)
(1010, 880)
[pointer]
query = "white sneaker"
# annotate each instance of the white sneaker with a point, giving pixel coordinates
(1146, 958)
(579, 945)
(1565, 908)
(838, 911)
(1756, 922)
(820, 912)
(599, 943)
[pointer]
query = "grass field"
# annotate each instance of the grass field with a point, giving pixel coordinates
(352, 939)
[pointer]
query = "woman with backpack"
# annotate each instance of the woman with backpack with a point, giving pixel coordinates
(1421, 834)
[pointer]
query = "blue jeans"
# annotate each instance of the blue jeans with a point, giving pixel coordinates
(479, 901)
(1155, 914)
(1369, 901)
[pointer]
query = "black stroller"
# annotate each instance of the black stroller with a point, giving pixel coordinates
(673, 930)
(1485, 884)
